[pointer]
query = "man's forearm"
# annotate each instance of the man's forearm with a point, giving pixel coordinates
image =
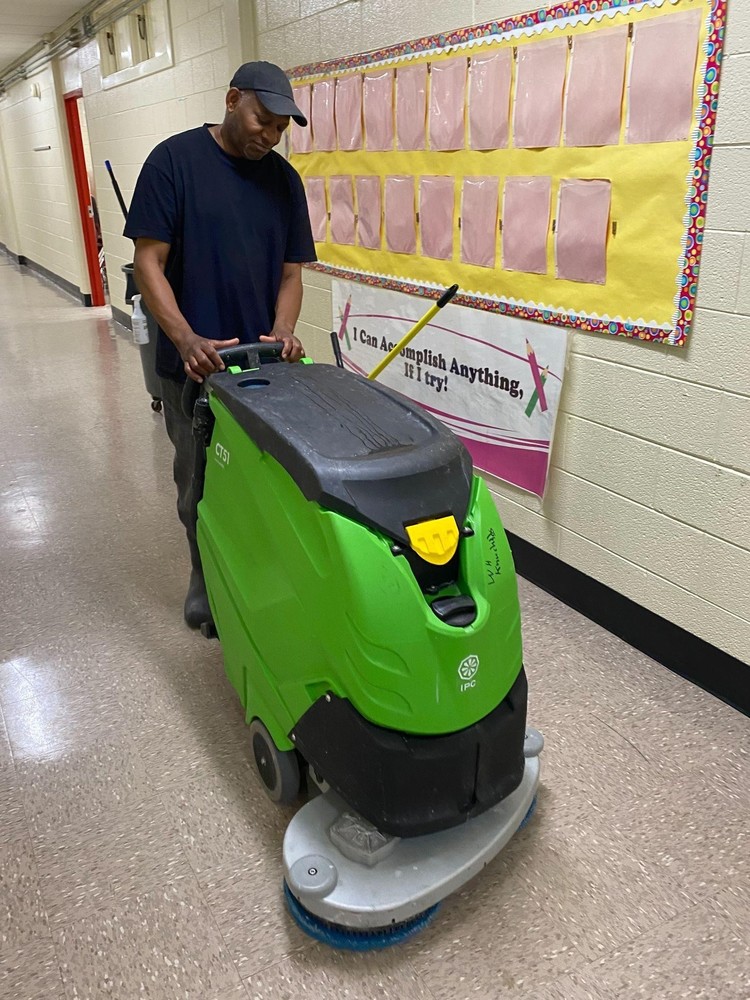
(288, 303)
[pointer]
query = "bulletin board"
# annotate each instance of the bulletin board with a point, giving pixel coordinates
(554, 164)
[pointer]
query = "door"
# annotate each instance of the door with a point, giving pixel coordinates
(86, 204)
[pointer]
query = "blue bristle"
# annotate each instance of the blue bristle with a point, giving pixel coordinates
(529, 814)
(350, 939)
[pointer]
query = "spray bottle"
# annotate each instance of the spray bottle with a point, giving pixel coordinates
(139, 322)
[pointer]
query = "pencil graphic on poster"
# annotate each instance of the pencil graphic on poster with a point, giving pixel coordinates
(343, 332)
(537, 376)
(535, 395)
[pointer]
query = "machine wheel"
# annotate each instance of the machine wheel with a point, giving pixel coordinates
(278, 769)
(156, 404)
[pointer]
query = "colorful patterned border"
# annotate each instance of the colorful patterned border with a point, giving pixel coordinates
(697, 182)
(462, 35)
(618, 328)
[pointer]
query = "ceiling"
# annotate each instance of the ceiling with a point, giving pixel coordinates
(23, 23)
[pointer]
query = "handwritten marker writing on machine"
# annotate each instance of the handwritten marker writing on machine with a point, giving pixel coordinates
(431, 312)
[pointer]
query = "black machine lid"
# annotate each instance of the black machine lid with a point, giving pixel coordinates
(351, 445)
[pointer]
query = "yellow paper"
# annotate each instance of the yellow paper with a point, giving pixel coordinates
(650, 184)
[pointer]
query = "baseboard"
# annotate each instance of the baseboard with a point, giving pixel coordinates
(685, 654)
(67, 286)
(122, 318)
(9, 253)
(63, 283)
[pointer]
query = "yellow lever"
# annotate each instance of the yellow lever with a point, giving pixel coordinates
(435, 541)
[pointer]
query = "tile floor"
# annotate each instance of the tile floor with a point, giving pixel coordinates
(139, 856)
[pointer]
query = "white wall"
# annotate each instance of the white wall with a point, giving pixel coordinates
(8, 228)
(124, 124)
(127, 121)
(649, 490)
(38, 214)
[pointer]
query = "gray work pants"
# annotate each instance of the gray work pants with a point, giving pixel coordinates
(180, 431)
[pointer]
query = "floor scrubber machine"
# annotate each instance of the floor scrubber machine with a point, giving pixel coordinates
(364, 595)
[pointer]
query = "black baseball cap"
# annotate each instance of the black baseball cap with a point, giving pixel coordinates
(271, 85)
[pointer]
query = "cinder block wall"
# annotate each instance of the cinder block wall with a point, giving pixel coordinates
(649, 490)
(37, 219)
(126, 122)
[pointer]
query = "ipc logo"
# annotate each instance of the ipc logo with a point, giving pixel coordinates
(467, 670)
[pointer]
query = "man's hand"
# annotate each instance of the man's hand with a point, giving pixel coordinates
(293, 349)
(200, 356)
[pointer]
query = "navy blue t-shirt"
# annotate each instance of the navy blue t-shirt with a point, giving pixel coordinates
(231, 224)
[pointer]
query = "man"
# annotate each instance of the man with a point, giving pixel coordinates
(221, 229)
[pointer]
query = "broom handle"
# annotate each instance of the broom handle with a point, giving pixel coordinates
(432, 311)
(116, 186)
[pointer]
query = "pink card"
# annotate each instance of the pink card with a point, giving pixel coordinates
(526, 217)
(411, 106)
(489, 100)
(369, 212)
(302, 137)
(342, 210)
(436, 201)
(447, 96)
(315, 189)
(349, 111)
(593, 105)
(400, 218)
(662, 78)
(537, 118)
(479, 220)
(582, 230)
(323, 126)
(377, 98)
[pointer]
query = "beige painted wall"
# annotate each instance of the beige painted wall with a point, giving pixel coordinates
(8, 229)
(38, 215)
(127, 121)
(649, 490)
(124, 124)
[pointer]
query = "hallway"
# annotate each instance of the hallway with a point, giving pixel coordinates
(139, 856)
